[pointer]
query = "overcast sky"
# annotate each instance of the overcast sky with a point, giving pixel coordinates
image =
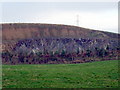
(93, 15)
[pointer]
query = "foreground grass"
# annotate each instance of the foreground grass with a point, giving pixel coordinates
(102, 74)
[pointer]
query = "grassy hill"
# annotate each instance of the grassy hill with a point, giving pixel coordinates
(18, 31)
(103, 74)
(35, 43)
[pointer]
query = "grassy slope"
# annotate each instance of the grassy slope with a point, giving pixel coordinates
(87, 75)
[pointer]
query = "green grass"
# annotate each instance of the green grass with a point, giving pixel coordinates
(103, 74)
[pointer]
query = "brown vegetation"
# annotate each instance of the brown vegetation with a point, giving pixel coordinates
(45, 43)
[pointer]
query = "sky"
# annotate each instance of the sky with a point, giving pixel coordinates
(94, 15)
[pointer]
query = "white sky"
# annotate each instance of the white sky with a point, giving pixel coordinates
(93, 15)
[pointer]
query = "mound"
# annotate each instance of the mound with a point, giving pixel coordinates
(50, 43)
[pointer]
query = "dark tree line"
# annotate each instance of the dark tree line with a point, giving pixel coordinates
(42, 58)
(69, 51)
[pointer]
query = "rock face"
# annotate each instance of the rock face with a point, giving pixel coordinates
(50, 43)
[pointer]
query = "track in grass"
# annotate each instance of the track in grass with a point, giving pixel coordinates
(103, 74)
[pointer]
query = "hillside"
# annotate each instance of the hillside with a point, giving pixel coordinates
(31, 43)
(19, 31)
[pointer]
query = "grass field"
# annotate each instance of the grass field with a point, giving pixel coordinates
(103, 74)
